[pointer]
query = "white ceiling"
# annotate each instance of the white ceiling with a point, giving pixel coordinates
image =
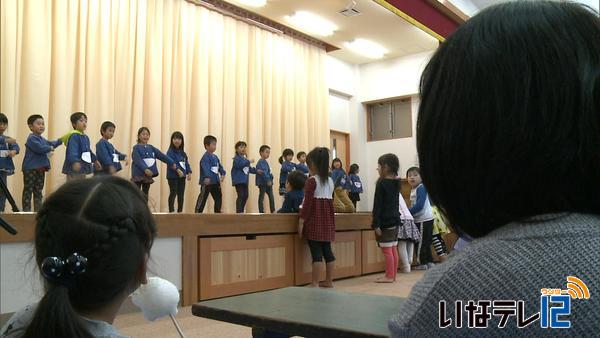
(374, 23)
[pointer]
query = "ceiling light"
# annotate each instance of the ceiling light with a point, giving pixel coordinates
(252, 3)
(311, 23)
(367, 48)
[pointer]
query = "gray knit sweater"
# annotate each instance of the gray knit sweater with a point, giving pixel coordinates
(511, 263)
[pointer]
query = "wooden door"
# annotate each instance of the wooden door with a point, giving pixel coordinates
(339, 145)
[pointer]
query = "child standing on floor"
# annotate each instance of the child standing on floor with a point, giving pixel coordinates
(210, 169)
(79, 157)
(8, 149)
(109, 158)
(317, 221)
(240, 172)
(341, 201)
(408, 235)
(295, 193)
(440, 228)
(421, 211)
(92, 242)
(36, 162)
(177, 177)
(355, 184)
(301, 166)
(386, 217)
(264, 180)
(144, 157)
(287, 166)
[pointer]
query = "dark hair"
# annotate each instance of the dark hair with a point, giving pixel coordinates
(178, 135)
(413, 169)
(517, 84)
(286, 152)
(239, 144)
(296, 179)
(3, 118)
(76, 116)
(353, 169)
(105, 219)
(390, 161)
(263, 148)
(31, 119)
(208, 139)
(319, 158)
(105, 125)
(336, 160)
(300, 154)
(142, 129)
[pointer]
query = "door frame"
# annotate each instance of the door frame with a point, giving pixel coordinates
(347, 138)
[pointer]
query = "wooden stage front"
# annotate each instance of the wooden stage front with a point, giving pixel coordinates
(231, 254)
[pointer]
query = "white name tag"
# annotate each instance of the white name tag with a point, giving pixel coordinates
(246, 170)
(116, 158)
(86, 157)
(343, 181)
(215, 169)
(3, 153)
(357, 184)
(182, 164)
(149, 161)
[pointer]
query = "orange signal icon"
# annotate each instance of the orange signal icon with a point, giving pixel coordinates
(576, 288)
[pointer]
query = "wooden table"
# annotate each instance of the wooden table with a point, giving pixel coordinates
(307, 312)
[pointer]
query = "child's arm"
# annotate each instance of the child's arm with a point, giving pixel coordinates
(287, 167)
(164, 158)
(420, 202)
(238, 163)
(122, 156)
(103, 155)
(37, 146)
(14, 149)
(54, 144)
(221, 169)
(138, 161)
(73, 151)
(205, 169)
(187, 165)
(335, 176)
(377, 202)
(286, 207)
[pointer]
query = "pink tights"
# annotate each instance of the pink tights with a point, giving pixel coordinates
(391, 261)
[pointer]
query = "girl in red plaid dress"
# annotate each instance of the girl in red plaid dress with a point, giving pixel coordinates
(317, 222)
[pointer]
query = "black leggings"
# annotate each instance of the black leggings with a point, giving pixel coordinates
(426, 229)
(242, 197)
(145, 187)
(176, 189)
(319, 249)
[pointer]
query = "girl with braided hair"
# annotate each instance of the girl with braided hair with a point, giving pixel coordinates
(92, 243)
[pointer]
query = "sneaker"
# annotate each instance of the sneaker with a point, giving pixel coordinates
(404, 269)
(421, 267)
(430, 265)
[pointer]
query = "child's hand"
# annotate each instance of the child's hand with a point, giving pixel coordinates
(207, 181)
(189, 177)
(269, 184)
(222, 178)
(51, 148)
(76, 166)
(300, 227)
(98, 165)
(252, 161)
(174, 167)
(148, 172)
(180, 173)
(112, 170)
(378, 232)
(12, 153)
(259, 171)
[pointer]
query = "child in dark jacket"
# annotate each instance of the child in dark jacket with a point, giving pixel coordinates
(294, 195)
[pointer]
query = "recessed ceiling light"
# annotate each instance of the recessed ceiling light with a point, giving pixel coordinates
(311, 23)
(367, 48)
(252, 3)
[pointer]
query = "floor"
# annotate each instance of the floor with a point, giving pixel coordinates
(135, 325)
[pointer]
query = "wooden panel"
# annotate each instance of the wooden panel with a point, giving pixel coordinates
(405, 189)
(372, 258)
(347, 251)
(236, 265)
(179, 225)
(189, 260)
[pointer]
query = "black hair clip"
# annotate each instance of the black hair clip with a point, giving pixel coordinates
(54, 268)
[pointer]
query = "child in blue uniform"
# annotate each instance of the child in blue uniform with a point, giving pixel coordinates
(109, 158)
(212, 174)
(240, 175)
(295, 193)
(287, 166)
(36, 162)
(144, 157)
(301, 166)
(8, 149)
(355, 184)
(341, 201)
(264, 180)
(79, 157)
(176, 178)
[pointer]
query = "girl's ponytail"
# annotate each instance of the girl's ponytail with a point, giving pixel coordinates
(55, 316)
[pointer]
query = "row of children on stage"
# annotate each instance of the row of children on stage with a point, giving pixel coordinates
(80, 161)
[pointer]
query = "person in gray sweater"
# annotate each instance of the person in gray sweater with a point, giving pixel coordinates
(508, 137)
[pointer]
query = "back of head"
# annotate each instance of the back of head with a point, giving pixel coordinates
(107, 221)
(319, 158)
(296, 180)
(353, 169)
(390, 161)
(509, 123)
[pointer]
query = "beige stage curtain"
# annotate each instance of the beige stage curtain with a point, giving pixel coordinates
(165, 64)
